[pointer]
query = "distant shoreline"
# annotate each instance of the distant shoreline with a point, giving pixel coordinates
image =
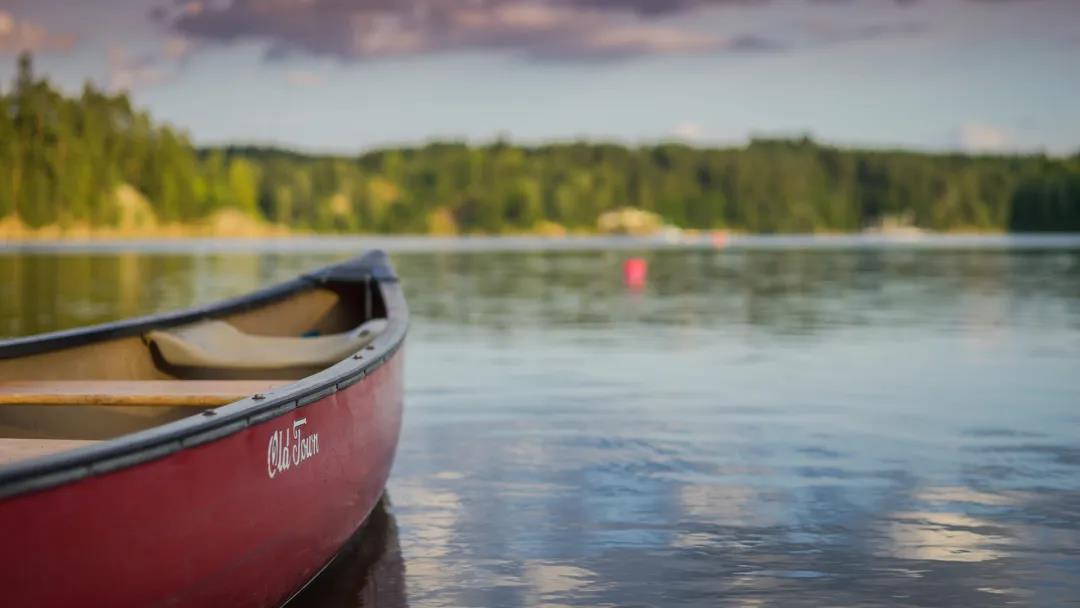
(131, 177)
(227, 224)
(236, 226)
(346, 244)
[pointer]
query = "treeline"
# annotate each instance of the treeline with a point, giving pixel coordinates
(66, 161)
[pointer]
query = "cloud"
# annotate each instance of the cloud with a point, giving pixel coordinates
(975, 137)
(827, 33)
(689, 131)
(371, 29)
(21, 35)
(753, 43)
(552, 30)
(128, 70)
(305, 78)
(177, 48)
(660, 7)
(665, 7)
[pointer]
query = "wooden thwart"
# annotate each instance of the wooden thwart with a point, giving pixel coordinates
(191, 393)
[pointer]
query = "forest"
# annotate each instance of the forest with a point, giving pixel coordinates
(93, 160)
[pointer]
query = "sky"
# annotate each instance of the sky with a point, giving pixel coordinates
(351, 75)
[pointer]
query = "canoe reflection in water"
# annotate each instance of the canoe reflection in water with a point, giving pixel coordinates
(369, 571)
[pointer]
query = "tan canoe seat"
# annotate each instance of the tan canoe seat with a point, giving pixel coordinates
(189, 393)
(12, 450)
(219, 345)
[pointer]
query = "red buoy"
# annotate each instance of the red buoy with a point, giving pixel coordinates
(635, 271)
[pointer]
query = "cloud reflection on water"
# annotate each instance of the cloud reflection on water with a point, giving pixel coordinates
(754, 428)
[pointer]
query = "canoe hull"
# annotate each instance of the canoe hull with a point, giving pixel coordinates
(245, 519)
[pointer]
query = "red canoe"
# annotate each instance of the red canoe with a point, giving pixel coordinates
(219, 456)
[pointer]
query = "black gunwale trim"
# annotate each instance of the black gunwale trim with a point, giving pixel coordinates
(129, 450)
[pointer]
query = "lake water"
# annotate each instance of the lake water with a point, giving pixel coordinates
(768, 425)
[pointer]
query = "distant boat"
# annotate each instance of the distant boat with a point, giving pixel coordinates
(219, 456)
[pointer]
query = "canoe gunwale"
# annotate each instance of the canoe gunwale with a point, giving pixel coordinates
(38, 474)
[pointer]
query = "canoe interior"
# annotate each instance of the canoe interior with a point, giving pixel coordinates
(70, 396)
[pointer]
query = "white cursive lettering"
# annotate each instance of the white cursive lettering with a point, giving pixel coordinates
(286, 449)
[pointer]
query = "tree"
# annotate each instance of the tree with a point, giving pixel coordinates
(65, 159)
